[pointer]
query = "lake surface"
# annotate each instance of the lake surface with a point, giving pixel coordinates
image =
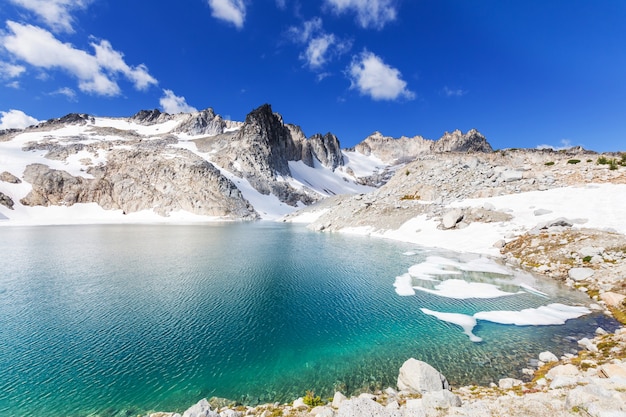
(120, 320)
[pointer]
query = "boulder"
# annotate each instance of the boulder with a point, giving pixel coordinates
(201, 409)
(10, 178)
(511, 176)
(563, 370)
(338, 398)
(451, 218)
(419, 377)
(588, 344)
(613, 370)
(612, 299)
(441, 399)
(508, 383)
(299, 403)
(548, 357)
(357, 407)
(322, 411)
(579, 274)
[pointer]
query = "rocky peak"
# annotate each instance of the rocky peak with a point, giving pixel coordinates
(270, 139)
(456, 141)
(146, 116)
(68, 119)
(204, 122)
(326, 149)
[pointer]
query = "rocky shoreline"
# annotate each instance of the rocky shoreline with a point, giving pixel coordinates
(591, 260)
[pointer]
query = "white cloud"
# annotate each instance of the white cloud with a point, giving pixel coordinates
(281, 4)
(371, 76)
(369, 13)
(448, 92)
(232, 11)
(565, 145)
(13, 84)
(95, 73)
(113, 61)
(65, 91)
(316, 51)
(320, 46)
(10, 70)
(173, 104)
(16, 119)
(54, 13)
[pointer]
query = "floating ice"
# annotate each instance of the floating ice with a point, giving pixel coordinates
(404, 285)
(463, 290)
(410, 253)
(466, 322)
(552, 314)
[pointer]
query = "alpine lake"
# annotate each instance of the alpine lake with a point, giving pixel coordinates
(116, 320)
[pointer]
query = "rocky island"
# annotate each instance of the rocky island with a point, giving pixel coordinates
(553, 213)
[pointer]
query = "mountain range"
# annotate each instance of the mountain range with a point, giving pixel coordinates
(156, 165)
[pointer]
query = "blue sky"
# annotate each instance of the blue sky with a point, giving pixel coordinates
(524, 73)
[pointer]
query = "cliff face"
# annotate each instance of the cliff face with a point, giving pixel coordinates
(142, 179)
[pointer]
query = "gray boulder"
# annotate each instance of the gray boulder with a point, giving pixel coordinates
(419, 377)
(201, 409)
(451, 218)
(579, 274)
(548, 357)
(440, 399)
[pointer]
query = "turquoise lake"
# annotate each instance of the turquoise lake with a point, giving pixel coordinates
(112, 320)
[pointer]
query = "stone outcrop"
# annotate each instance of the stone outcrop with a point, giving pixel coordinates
(135, 180)
(325, 149)
(205, 122)
(10, 178)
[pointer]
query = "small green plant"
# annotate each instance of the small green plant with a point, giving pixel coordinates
(589, 160)
(622, 161)
(587, 259)
(549, 164)
(603, 160)
(407, 172)
(311, 400)
(612, 165)
(573, 161)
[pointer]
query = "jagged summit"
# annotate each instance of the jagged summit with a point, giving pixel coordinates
(404, 149)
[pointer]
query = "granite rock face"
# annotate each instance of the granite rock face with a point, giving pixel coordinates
(142, 179)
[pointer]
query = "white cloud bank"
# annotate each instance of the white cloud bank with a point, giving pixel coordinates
(172, 104)
(372, 77)
(95, 73)
(10, 70)
(16, 119)
(369, 13)
(231, 11)
(54, 13)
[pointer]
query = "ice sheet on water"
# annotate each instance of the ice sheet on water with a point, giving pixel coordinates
(463, 290)
(466, 322)
(549, 315)
(404, 285)
(552, 314)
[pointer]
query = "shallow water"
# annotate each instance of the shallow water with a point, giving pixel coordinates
(120, 320)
